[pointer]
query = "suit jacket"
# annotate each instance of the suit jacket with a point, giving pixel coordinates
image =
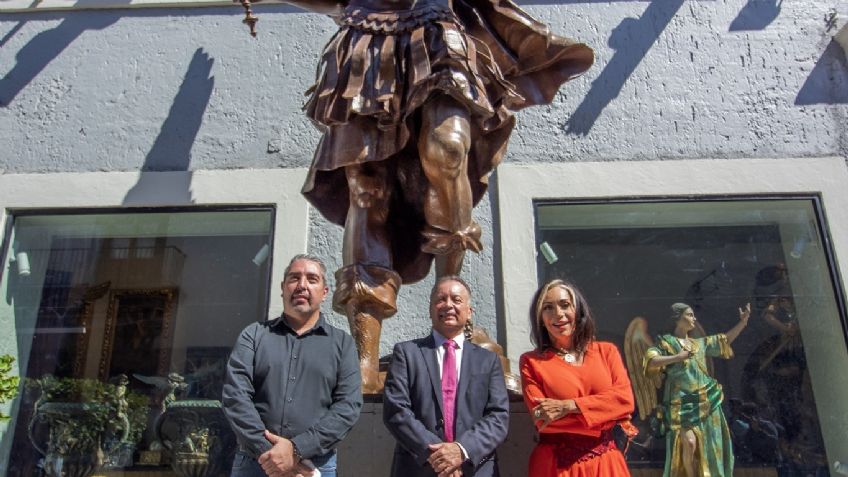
(412, 408)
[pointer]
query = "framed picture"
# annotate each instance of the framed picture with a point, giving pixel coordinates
(138, 333)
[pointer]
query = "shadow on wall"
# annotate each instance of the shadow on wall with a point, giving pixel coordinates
(756, 15)
(172, 149)
(828, 81)
(45, 47)
(631, 40)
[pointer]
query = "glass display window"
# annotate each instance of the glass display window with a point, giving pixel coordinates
(634, 259)
(121, 324)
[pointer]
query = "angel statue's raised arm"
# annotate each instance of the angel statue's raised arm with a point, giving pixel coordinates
(696, 433)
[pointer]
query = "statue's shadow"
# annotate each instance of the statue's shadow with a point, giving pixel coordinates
(630, 40)
(827, 81)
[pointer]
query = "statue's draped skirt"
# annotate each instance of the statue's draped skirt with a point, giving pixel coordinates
(381, 67)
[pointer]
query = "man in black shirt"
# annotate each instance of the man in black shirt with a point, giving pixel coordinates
(292, 390)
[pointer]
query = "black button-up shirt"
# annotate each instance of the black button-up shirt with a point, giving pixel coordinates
(305, 388)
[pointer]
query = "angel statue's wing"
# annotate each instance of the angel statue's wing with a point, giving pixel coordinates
(636, 344)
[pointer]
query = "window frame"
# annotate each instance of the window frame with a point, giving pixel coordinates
(132, 192)
(520, 186)
(114, 192)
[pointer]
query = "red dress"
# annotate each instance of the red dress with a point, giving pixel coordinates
(579, 445)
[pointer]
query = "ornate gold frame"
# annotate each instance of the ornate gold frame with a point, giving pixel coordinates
(166, 336)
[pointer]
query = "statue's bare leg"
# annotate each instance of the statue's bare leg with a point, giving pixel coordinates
(366, 286)
(690, 452)
(444, 142)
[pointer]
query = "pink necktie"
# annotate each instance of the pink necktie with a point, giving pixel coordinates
(449, 388)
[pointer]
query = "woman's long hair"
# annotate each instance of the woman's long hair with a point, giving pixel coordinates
(584, 327)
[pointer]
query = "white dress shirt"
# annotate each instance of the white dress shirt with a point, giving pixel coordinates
(440, 351)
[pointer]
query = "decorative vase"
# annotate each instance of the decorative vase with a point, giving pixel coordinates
(197, 436)
(73, 443)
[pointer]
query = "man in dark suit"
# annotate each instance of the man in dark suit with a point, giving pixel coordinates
(445, 400)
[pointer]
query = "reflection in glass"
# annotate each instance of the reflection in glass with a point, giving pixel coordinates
(120, 325)
(635, 259)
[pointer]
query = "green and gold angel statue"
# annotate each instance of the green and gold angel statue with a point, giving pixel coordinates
(696, 433)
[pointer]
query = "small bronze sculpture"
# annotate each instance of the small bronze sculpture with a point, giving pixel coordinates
(415, 102)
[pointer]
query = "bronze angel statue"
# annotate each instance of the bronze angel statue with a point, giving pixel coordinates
(415, 102)
(697, 437)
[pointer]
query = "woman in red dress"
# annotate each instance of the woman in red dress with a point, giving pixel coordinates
(575, 387)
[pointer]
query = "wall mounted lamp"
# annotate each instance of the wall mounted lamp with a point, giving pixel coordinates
(22, 262)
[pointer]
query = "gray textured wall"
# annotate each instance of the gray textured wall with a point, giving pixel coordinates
(188, 89)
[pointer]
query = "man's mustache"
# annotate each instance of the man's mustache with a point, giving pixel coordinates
(300, 294)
